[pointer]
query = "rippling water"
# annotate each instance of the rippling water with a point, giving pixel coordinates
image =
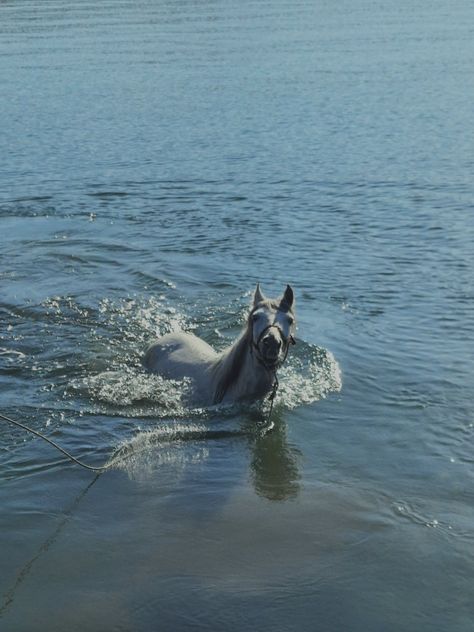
(160, 158)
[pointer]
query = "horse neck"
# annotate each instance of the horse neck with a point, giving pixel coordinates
(235, 368)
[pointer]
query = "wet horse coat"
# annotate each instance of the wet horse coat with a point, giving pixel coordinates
(245, 370)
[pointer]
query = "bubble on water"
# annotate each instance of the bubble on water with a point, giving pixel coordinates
(12, 352)
(416, 515)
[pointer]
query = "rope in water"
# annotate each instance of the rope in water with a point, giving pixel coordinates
(271, 399)
(92, 468)
(102, 468)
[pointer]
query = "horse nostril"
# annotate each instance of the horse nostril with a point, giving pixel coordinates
(271, 344)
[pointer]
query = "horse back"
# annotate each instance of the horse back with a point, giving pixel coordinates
(179, 355)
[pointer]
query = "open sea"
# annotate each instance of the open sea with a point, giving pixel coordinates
(157, 159)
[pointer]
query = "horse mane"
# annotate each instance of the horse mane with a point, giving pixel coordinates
(230, 363)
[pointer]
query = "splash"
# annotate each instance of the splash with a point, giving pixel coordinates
(309, 377)
(129, 325)
(166, 448)
(140, 320)
(178, 435)
(128, 386)
(304, 380)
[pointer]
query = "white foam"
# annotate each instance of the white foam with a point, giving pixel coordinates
(166, 448)
(129, 386)
(309, 377)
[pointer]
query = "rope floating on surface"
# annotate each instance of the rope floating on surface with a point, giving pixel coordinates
(102, 468)
(92, 468)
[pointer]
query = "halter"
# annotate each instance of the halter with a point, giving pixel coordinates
(287, 340)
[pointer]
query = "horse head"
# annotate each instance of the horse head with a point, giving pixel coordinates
(272, 324)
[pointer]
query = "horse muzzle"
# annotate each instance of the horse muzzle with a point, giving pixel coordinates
(273, 350)
(271, 347)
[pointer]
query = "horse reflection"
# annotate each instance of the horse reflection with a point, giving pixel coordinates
(274, 464)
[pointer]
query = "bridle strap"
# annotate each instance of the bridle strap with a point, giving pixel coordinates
(287, 340)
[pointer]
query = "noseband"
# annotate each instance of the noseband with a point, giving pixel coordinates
(287, 340)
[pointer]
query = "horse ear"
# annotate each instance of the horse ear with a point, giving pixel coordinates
(258, 296)
(288, 297)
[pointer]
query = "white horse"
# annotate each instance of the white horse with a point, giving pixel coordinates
(246, 370)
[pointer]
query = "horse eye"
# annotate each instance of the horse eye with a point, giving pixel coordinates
(291, 320)
(255, 317)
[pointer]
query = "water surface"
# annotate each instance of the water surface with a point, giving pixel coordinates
(160, 158)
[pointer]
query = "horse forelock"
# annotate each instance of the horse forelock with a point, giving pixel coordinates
(273, 305)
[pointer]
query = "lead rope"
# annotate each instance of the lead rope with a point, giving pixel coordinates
(100, 468)
(271, 399)
(268, 425)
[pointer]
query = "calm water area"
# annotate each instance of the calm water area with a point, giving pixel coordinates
(157, 159)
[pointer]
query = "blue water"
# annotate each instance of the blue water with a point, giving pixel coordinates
(157, 160)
